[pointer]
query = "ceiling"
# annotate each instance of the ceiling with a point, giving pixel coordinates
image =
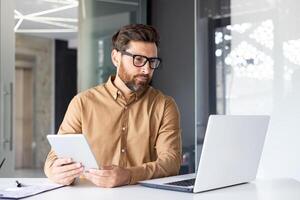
(55, 19)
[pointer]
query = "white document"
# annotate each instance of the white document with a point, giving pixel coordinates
(13, 192)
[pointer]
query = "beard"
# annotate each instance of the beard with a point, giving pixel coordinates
(135, 83)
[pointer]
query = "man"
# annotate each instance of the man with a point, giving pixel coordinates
(132, 128)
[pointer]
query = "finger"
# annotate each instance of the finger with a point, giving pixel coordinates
(66, 168)
(104, 173)
(91, 177)
(110, 167)
(67, 180)
(62, 161)
(73, 173)
(69, 174)
(99, 181)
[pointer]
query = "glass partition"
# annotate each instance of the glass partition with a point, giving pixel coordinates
(250, 54)
(7, 147)
(98, 21)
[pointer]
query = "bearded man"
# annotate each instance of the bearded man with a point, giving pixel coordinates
(133, 129)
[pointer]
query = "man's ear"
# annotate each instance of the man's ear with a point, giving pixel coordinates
(115, 57)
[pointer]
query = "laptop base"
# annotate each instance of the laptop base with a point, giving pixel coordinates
(168, 187)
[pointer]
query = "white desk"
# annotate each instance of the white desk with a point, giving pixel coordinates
(279, 189)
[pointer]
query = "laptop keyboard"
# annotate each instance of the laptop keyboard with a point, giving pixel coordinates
(186, 183)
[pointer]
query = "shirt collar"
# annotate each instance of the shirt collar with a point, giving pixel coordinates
(115, 92)
(112, 89)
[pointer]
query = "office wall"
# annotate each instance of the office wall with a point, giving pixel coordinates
(270, 43)
(175, 22)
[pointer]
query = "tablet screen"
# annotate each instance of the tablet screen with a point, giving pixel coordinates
(73, 146)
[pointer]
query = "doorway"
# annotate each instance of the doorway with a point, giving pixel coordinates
(24, 111)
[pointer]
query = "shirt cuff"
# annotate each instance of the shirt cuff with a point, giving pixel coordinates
(137, 173)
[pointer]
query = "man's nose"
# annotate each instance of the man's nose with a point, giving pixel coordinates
(146, 68)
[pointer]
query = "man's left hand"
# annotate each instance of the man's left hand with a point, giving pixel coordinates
(108, 176)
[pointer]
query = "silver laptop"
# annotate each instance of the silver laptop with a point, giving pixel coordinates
(231, 153)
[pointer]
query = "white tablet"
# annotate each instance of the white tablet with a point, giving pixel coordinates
(73, 146)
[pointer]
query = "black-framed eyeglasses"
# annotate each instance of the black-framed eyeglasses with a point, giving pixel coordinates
(140, 61)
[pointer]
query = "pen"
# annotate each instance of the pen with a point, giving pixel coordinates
(2, 162)
(18, 184)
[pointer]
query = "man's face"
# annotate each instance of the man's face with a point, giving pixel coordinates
(136, 78)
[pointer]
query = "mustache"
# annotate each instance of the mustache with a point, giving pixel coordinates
(142, 75)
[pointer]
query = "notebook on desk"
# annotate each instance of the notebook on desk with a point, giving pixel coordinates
(231, 152)
(25, 189)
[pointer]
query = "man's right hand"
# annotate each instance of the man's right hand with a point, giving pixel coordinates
(64, 171)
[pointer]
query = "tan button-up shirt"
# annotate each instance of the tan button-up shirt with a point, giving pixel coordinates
(141, 133)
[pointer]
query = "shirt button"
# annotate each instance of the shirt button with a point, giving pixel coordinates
(123, 150)
(124, 128)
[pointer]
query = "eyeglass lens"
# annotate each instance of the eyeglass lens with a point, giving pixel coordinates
(140, 61)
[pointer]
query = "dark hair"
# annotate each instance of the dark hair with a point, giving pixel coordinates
(134, 32)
